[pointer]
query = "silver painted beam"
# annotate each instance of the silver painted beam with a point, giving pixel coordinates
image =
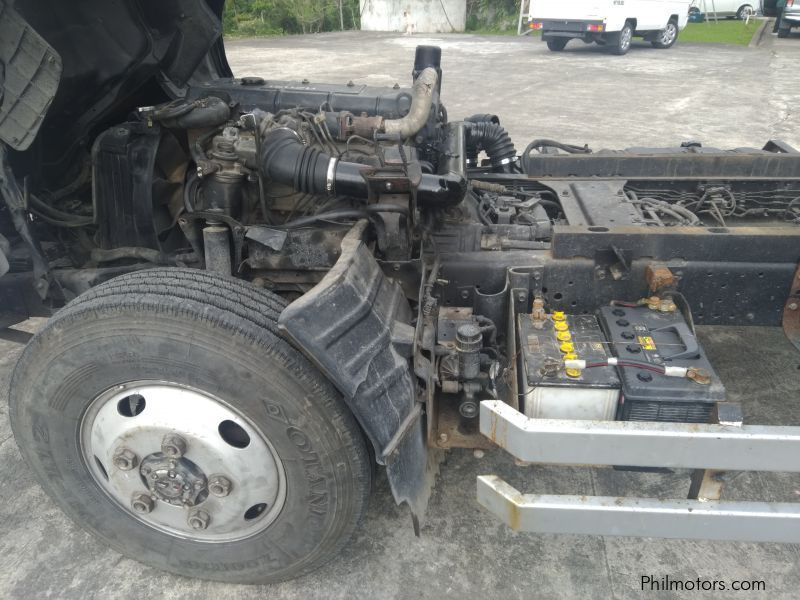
(640, 517)
(638, 444)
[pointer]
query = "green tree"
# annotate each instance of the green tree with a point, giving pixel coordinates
(265, 17)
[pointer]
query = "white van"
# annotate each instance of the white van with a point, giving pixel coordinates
(612, 23)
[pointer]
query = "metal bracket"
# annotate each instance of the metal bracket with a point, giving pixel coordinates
(791, 312)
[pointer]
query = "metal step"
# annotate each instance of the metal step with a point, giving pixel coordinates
(641, 444)
(710, 447)
(640, 517)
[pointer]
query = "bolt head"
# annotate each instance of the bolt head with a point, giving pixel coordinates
(793, 306)
(142, 503)
(125, 459)
(173, 446)
(443, 437)
(219, 485)
(199, 519)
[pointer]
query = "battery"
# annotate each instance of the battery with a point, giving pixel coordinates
(643, 334)
(550, 391)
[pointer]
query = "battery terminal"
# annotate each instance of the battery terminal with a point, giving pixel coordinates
(538, 314)
(700, 376)
(572, 371)
(664, 305)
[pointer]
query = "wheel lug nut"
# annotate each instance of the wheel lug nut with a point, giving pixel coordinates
(142, 503)
(173, 446)
(199, 519)
(219, 485)
(125, 459)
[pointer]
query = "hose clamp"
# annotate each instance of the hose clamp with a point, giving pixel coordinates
(506, 161)
(330, 180)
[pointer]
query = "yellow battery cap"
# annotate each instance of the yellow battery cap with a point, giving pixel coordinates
(571, 356)
(567, 347)
(558, 315)
(564, 336)
(573, 372)
(560, 326)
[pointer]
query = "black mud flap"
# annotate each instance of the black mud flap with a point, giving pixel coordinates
(30, 71)
(355, 326)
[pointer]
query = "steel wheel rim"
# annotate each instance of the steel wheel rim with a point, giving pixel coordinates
(226, 485)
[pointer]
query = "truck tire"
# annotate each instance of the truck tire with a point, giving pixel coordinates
(783, 32)
(163, 413)
(620, 42)
(666, 37)
(557, 44)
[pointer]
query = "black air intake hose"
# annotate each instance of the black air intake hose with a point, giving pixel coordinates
(199, 114)
(285, 159)
(483, 119)
(492, 138)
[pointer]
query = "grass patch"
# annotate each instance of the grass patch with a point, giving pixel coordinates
(720, 32)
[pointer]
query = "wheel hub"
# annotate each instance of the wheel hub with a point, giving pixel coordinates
(182, 461)
(178, 482)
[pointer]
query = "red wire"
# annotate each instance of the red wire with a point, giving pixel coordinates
(624, 304)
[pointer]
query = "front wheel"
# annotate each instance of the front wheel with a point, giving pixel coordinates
(621, 41)
(557, 44)
(783, 32)
(164, 414)
(666, 37)
(745, 11)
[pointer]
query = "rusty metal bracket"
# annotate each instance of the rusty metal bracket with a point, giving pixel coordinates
(791, 312)
(659, 277)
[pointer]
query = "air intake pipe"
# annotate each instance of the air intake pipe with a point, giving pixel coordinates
(285, 159)
(484, 132)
